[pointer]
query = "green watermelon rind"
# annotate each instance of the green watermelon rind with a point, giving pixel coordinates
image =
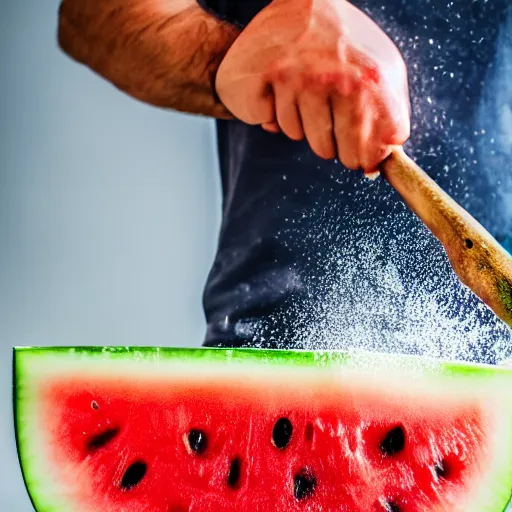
(28, 361)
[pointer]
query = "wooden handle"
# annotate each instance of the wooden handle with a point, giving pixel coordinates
(478, 259)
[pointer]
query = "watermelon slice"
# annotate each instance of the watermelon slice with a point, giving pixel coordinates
(219, 430)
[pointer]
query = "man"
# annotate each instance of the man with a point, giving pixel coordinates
(310, 253)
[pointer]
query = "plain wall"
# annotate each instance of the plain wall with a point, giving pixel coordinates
(108, 212)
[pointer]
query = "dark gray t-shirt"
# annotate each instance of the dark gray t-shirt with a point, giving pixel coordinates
(311, 254)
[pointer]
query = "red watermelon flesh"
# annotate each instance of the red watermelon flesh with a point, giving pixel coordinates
(271, 440)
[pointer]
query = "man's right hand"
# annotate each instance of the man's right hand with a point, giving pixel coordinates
(324, 70)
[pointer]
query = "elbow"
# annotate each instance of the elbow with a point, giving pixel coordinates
(62, 28)
(69, 39)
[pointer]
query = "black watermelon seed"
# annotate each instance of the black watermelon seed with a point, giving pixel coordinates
(282, 433)
(394, 442)
(234, 472)
(198, 441)
(133, 475)
(469, 243)
(95, 405)
(441, 469)
(100, 440)
(304, 484)
(391, 506)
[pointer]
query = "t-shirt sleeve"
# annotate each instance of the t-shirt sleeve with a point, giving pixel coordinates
(238, 12)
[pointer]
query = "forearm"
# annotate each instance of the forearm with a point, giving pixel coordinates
(162, 52)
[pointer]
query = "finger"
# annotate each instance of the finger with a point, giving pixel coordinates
(365, 143)
(271, 127)
(391, 122)
(387, 95)
(394, 124)
(371, 149)
(317, 121)
(393, 115)
(374, 152)
(347, 122)
(287, 113)
(402, 130)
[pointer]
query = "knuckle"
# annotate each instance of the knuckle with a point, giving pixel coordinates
(283, 71)
(321, 81)
(277, 72)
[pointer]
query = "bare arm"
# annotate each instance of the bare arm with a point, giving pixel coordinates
(162, 52)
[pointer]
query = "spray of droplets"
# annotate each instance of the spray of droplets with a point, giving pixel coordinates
(394, 294)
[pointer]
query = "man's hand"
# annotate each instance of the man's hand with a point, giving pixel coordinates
(324, 70)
